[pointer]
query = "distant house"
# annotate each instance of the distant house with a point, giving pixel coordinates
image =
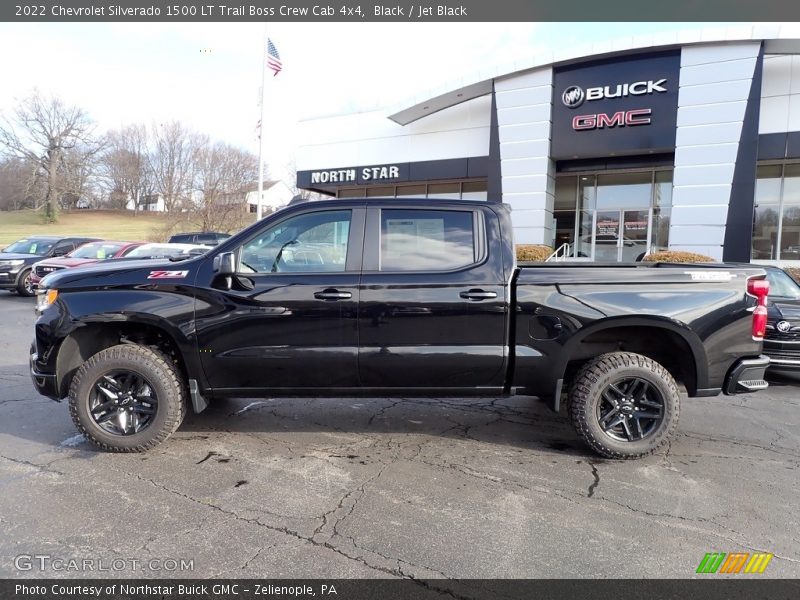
(147, 203)
(275, 195)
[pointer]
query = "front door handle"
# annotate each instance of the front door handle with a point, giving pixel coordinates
(331, 294)
(478, 295)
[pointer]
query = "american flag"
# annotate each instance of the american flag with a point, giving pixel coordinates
(273, 58)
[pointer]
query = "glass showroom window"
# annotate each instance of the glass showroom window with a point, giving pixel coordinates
(612, 212)
(776, 216)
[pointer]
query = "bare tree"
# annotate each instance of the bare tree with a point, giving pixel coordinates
(125, 167)
(291, 170)
(224, 175)
(78, 170)
(43, 130)
(21, 185)
(172, 161)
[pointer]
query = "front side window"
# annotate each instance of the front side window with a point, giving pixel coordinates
(308, 243)
(427, 240)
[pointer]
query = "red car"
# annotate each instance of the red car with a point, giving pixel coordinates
(84, 255)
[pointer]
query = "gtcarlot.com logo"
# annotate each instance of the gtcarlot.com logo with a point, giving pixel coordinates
(47, 562)
(734, 563)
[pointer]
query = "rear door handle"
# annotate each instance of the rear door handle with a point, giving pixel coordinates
(331, 294)
(478, 295)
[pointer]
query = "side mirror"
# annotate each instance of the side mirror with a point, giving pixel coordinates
(225, 263)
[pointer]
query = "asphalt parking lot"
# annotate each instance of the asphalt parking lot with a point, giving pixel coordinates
(369, 488)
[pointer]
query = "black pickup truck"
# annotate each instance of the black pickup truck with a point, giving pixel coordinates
(394, 298)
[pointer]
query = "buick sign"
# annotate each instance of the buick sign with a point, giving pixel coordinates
(573, 96)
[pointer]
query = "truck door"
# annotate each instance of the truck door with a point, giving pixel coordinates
(289, 321)
(433, 306)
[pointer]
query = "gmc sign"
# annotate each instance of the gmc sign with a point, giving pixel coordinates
(623, 118)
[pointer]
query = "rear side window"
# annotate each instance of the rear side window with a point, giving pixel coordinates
(427, 240)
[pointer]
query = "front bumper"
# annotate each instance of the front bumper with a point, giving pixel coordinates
(747, 375)
(8, 279)
(45, 383)
(783, 356)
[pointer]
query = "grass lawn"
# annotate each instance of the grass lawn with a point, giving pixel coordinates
(105, 224)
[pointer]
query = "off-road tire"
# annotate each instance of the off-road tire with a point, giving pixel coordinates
(22, 288)
(586, 392)
(167, 384)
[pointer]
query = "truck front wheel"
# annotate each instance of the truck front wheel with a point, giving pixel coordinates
(624, 405)
(127, 398)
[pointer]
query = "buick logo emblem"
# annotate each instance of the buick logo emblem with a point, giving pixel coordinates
(783, 326)
(573, 96)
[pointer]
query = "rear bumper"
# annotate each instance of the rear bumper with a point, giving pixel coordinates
(747, 375)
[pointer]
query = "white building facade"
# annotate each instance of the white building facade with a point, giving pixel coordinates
(680, 141)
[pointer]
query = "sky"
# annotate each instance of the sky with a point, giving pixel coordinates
(208, 75)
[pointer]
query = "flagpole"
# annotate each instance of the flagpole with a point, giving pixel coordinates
(261, 128)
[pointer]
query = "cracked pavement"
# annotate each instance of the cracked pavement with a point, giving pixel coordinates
(412, 488)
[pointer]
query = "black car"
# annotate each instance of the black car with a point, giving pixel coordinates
(204, 238)
(782, 340)
(17, 259)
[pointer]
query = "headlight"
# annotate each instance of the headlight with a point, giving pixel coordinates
(11, 263)
(45, 298)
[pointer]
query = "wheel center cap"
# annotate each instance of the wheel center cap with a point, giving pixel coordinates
(627, 408)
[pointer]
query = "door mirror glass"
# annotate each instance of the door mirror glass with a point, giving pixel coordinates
(225, 263)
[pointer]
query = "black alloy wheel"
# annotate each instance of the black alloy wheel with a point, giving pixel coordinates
(624, 405)
(122, 402)
(630, 409)
(128, 398)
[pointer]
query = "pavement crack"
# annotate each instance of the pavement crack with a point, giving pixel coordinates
(383, 410)
(282, 529)
(27, 463)
(255, 556)
(596, 481)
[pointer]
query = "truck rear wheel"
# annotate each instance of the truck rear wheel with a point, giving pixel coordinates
(624, 405)
(127, 398)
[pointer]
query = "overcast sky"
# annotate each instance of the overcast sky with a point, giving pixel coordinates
(209, 75)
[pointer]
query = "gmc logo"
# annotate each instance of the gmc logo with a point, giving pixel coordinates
(623, 118)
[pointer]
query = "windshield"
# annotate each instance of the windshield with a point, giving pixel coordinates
(98, 250)
(782, 286)
(38, 247)
(155, 251)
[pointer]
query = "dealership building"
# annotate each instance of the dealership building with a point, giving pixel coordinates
(686, 141)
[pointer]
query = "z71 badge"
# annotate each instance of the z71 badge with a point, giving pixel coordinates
(167, 274)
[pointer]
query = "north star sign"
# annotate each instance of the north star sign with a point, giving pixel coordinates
(356, 174)
(616, 107)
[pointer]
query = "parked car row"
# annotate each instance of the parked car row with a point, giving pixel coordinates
(24, 263)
